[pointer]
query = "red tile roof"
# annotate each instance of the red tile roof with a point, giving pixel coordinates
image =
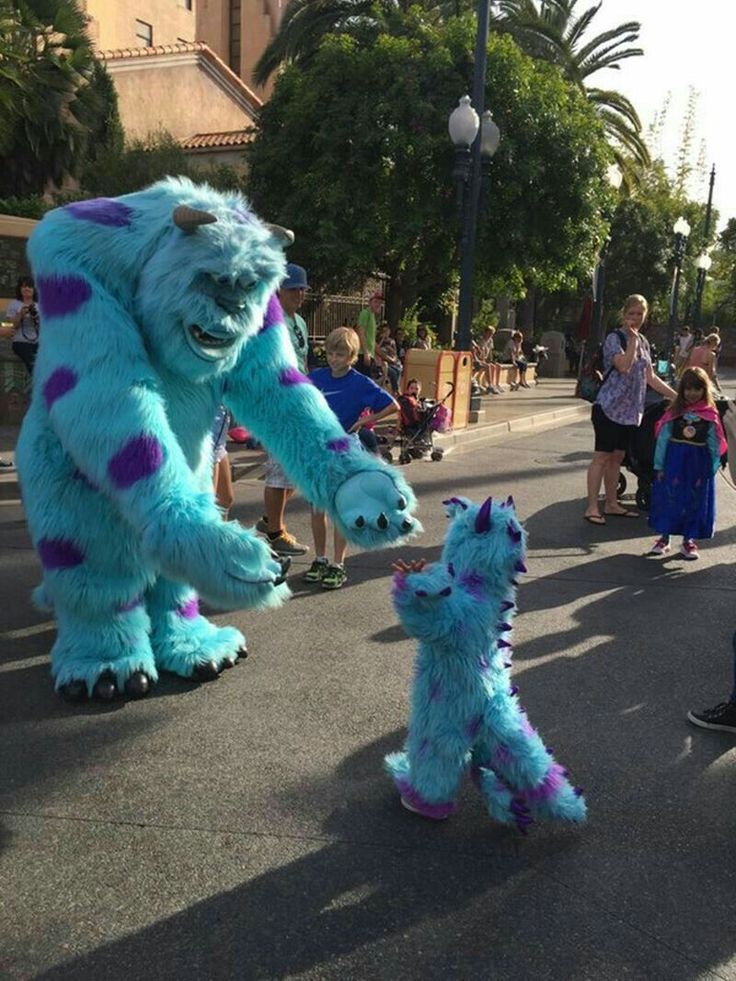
(203, 141)
(118, 54)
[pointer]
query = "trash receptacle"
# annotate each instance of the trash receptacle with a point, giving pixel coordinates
(442, 373)
(555, 365)
(463, 381)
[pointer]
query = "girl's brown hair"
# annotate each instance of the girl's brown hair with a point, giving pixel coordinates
(692, 378)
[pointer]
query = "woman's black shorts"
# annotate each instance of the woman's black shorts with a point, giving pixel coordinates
(609, 435)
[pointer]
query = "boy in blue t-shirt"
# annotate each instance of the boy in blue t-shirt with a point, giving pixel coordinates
(347, 393)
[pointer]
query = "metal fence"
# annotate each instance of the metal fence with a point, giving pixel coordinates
(324, 313)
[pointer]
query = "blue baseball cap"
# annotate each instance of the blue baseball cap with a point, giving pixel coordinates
(296, 278)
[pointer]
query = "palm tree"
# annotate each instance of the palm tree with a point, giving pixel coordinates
(47, 103)
(554, 31)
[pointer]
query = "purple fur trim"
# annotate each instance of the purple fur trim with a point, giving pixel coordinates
(83, 479)
(503, 755)
(291, 376)
(130, 605)
(473, 583)
(400, 584)
(473, 727)
(61, 295)
(58, 383)
(341, 445)
(436, 811)
(520, 567)
(102, 211)
(273, 315)
(549, 787)
(513, 533)
(483, 517)
(521, 814)
(507, 605)
(59, 553)
(526, 727)
(141, 457)
(456, 500)
(435, 691)
(190, 609)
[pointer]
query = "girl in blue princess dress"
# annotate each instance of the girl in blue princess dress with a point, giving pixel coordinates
(690, 443)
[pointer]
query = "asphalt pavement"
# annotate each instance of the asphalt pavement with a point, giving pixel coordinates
(245, 829)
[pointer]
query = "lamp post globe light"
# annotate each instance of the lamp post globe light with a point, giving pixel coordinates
(681, 229)
(467, 120)
(703, 264)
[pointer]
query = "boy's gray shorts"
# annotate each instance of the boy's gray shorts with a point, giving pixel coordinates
(275, 476)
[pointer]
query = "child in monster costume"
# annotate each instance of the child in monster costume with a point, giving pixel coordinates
(158, 307)
(465, 714)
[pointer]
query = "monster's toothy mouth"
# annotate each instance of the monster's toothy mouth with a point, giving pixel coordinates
(204, 339)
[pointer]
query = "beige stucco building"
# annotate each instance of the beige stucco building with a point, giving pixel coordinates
(185, 66)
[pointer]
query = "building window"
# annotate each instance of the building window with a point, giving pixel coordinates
(235, 36)
(144, 34)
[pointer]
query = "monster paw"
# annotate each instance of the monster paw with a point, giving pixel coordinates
(374, 509)
(192, 647)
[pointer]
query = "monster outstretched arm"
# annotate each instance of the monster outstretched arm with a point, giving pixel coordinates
(104, 404)
(370, 502)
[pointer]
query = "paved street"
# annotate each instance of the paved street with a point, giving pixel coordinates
(244, 829)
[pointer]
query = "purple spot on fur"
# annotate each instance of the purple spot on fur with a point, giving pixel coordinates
(502, 643)
(456, 500)
(61, 295)
(130, 605)
(473, 583)
(435, 692)
(473, 727)
(521, 814)
(411, 796)
(526, 727)
(483, 663)
(513, 533)
(503, 755)
(290, 376)
(139, 458)
(190, 609)
(520, 567)
(550, 786)
(273, 315)
(507, 605)
(341, 445)
(58, 383)
(84, 479)
(483, 517)
(102, 211)
(400, 584)
(59, 553)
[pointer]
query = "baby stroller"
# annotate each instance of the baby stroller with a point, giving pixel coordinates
(419, 420)
(639, 458)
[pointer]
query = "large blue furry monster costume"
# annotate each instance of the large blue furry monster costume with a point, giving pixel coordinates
(156, 307)
(464, 712)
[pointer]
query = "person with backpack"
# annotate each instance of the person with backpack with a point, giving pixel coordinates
(618, 408)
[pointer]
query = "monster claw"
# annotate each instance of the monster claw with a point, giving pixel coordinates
(402, 504)
(520, 567)
(382, 521)
(407, 524)
(359, 521)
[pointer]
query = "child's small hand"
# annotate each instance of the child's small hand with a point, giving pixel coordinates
(404, 568)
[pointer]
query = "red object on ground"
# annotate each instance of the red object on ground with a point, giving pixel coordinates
(238, 434)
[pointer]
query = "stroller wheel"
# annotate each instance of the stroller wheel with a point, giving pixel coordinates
(416, 453)
(404, 457)
(387, 455)
(621, 489)
(437, 455)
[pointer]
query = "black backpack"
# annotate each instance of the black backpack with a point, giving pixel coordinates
(592, 379)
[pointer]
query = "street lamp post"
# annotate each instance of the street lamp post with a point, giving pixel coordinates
(466, 121)
(703, 263)
(615, 178)
(682, 231)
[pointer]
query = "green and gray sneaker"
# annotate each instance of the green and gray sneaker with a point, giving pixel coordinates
(334, 577)
(317, 571)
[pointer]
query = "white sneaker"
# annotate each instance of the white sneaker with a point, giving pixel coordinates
(689, 550)
(660, 547)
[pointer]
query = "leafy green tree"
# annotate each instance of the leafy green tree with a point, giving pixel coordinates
(48, 103)
(352, 153)
(556, 31)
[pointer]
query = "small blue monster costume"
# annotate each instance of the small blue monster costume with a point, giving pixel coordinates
(464, 712)
(156, 308)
